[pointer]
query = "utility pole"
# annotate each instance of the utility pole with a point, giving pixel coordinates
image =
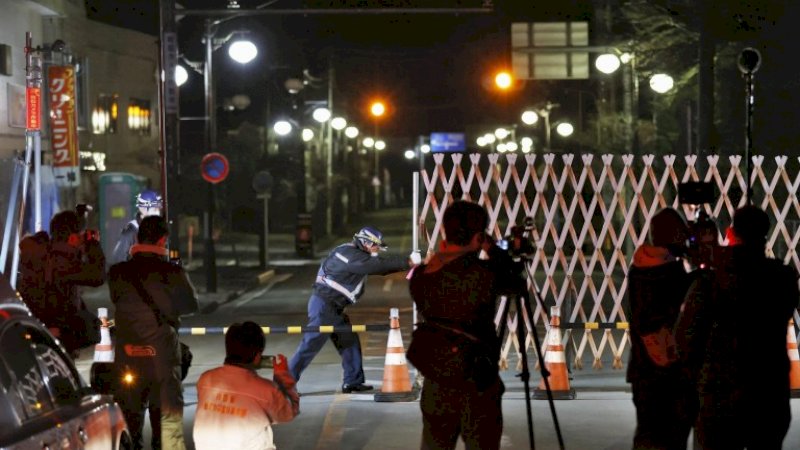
(168, 96)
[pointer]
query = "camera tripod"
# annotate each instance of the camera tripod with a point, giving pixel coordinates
(522, 304)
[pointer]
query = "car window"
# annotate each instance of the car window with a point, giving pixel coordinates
(26, 390)
(60, 377)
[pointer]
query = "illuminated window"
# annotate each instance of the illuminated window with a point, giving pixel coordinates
(139, 116)
(104, 114)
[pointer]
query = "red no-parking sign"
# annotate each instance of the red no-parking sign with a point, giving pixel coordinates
(214, 167)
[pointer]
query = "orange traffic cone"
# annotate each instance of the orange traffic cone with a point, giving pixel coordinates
(104, 350)
(794, 360)
(556, 363)
(396, 381)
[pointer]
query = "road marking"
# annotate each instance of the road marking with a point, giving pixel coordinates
(250, 296)
(332, 426)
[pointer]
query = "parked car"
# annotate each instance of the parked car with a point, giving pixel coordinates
(44, 402)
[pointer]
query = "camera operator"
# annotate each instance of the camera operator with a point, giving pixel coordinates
(236, 407)
(742, 373)
(657, 283)
(51, 272)
(456, 291)
(150, 295)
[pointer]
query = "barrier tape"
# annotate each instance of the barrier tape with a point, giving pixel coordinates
(597, 325)
(199, 331)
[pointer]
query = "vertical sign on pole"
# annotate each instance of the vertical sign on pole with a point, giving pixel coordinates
(63, 125)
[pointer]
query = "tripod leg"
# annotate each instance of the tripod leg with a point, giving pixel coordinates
(544, 371)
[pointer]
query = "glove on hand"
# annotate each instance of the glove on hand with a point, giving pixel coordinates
(415, 257)
(660, 347)
(281, 364)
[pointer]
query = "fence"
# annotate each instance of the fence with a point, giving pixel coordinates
(590, 213)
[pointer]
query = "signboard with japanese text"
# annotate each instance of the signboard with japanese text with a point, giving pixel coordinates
(63, 125)
(33, 103)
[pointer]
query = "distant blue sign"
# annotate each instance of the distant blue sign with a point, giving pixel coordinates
(447, 142)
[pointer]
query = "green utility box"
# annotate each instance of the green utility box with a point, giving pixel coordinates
(118, 191)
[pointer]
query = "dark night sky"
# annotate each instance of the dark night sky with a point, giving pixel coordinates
(433, 69)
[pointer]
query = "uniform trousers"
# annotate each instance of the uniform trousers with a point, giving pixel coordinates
(325, 312)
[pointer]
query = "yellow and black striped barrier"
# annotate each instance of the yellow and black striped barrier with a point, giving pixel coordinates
(199, 331)
(597, 325)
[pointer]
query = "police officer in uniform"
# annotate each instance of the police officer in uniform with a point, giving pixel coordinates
(340, 283)
(148, 203)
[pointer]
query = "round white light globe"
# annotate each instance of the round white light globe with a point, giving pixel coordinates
(243, 51)
(530, 117)
(607, 63)
(308, 134)
(181, 75)
(321, 115)
(368, 142)
(351, 132)
(661, 83)
(409, 154)
(282, 128)
(338, 123)
(380, 145)
(565, 129)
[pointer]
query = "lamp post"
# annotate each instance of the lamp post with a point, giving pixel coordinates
(242, 53)
(531, 116)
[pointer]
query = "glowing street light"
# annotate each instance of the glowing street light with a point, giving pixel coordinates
(377, 108)
(425, 148)
(368, 142)
(661, 83)
(501, 133)
(351, 132)
(338, 123)
(380, 145)
(282, 127)
(607, 63)
(321, 115)
(409, 154)
(503, 80)
(530, 117)
(308, 134)
(181, 75)
(565, 129)
(242, 51)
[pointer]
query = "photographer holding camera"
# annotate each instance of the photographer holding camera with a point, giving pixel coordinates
(742, 373)
(456, 292)
(51, 272)
(236, 407)
(657, 283)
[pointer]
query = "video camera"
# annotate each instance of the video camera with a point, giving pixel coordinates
(519, 242)
(87, 234)
(703, 232)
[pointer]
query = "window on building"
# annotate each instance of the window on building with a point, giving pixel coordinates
(104, 114)
(139, 116)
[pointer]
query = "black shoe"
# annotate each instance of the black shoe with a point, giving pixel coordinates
(348, 388)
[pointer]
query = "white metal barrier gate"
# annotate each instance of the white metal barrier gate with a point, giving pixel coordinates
(590, 213)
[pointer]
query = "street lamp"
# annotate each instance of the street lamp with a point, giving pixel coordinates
(282, 127)
(181, 75)
(503, 80)
(308, 134)
(242, 52)
(661, 83)
(565, 129)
